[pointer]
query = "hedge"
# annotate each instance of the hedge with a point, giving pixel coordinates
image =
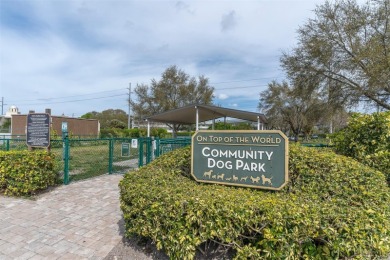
(25, 173)
(333, 207)
(133, 133)
(367, 139)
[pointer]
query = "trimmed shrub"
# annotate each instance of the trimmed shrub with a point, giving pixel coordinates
(367, 139)
(25, 173)
(333, 207)
(133, 133)
(159, 132)
(109, 133)
(185, 134)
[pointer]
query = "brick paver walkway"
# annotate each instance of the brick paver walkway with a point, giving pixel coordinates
(77, 221)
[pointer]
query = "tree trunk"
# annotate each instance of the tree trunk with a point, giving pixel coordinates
(174, 130)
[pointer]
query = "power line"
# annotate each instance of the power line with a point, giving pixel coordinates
(256, 86)
(76, 100)
(233, 81)
(93, 93)
(64, 97)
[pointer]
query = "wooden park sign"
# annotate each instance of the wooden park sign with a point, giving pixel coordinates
(257, 159)
(38, 130)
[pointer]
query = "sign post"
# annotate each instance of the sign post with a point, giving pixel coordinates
(38, 130)
(65, 151)
(257, 159)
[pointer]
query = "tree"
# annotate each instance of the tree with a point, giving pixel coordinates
(108, 118)
(6, 124)
(90, 115)
(346, 47)
(175, 89)
(115, 123)
(288, 109)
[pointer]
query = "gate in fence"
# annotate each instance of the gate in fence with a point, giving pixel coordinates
(151, 148)
(79, 159)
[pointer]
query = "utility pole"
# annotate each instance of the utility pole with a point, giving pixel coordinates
(129, 102)
(2, 105)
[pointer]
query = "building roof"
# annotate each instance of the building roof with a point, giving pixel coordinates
(187, 115)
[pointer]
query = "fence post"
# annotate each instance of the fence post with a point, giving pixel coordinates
(148, 150)
(140, 152)
(157, 147)
(7, 148)
(66, 160)
(110, 155)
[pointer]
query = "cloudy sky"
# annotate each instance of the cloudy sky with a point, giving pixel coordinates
(80, 56)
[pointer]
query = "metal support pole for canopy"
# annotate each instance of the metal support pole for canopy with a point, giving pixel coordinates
(258, 123)
(197, 118)
(213, 126)
(148, 128)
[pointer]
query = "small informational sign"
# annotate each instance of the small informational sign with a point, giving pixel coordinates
(125, 150)
(166, 148)
(64, 126)
(38, 130)
(257, 159)
(64, 129)
(134, 143)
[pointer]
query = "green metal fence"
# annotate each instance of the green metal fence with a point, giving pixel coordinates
(166, 145)
(123, 155)
(13, 144)
(79, 159)
(87, 158)
(151, 148)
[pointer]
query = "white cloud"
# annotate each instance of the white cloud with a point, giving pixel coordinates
(222, 96)
(80, 47)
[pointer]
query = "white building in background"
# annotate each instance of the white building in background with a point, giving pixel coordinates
(13, 110)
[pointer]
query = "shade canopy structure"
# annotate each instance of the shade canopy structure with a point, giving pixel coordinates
(193, 114)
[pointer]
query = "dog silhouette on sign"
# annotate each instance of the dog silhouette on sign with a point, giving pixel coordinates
(220, 176)
(266, 180)
(244, 178)
(207, 174)
(255, 180)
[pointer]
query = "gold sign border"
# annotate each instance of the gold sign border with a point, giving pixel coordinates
(286, 155)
